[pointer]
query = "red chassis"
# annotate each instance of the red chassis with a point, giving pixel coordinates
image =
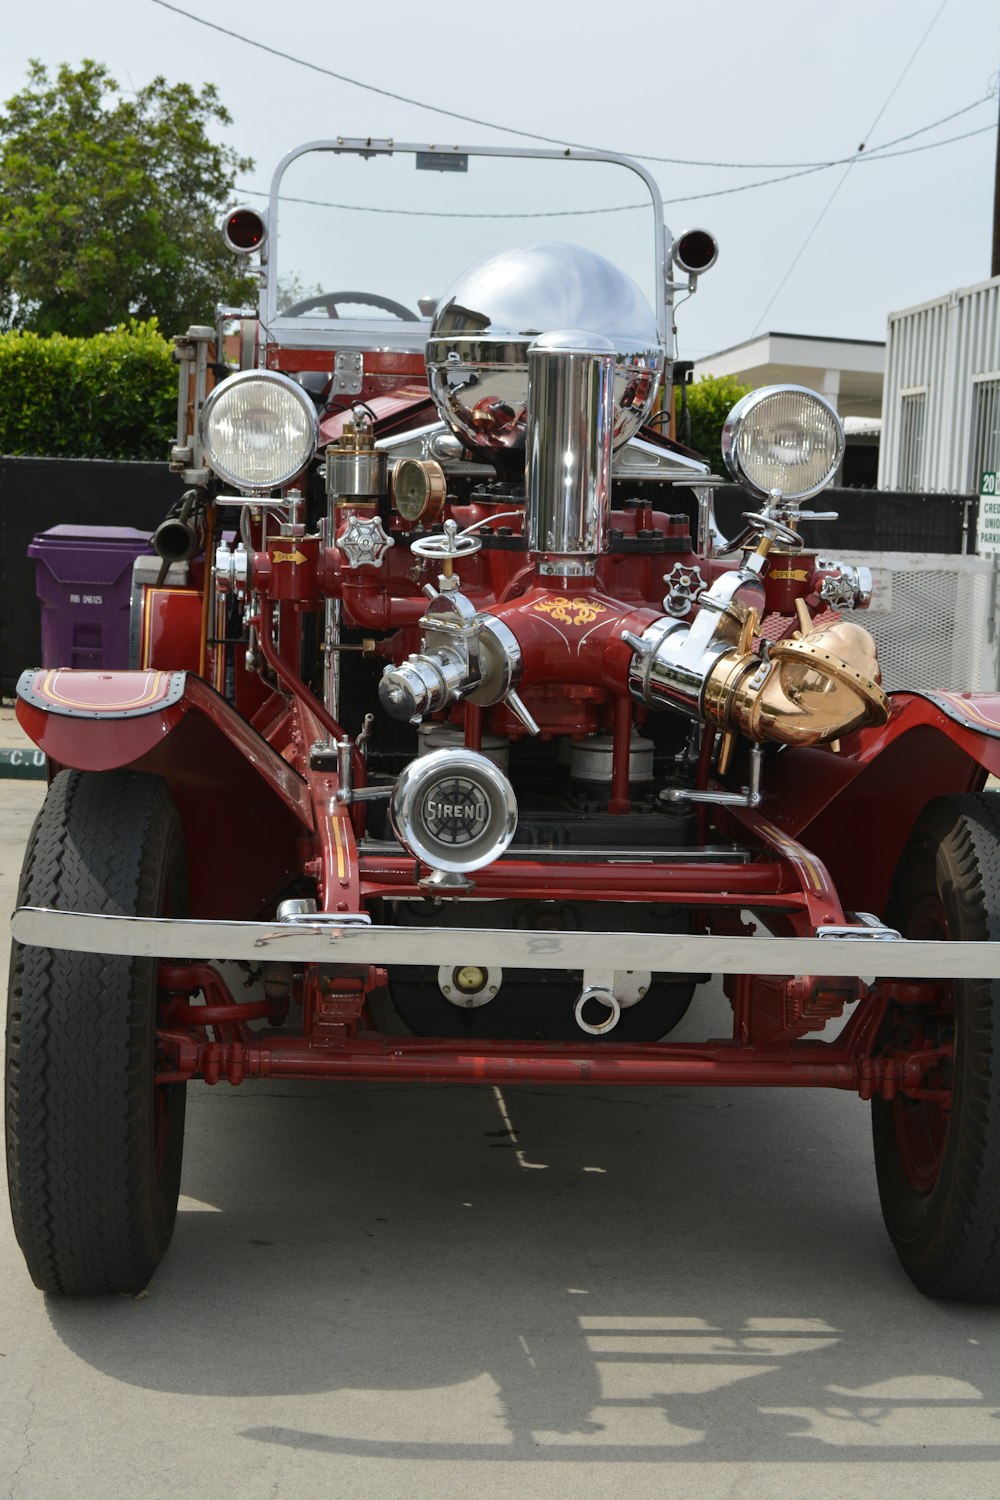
(172, 725)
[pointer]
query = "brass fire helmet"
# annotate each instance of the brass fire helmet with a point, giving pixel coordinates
(818, 687)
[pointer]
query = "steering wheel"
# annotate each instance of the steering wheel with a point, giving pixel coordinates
(329, 300)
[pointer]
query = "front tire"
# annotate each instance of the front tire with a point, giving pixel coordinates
(938, 1168)
(93, 1143)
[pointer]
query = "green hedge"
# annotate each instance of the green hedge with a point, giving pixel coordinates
(110, 396)
(710, 400)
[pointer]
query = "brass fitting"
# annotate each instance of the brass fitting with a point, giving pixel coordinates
(354, 438)
(804, 692)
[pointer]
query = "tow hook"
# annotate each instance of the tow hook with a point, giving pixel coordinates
(597, 994)
(609, 992)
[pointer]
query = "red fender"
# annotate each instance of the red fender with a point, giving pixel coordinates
(855, 809)
(235, 794)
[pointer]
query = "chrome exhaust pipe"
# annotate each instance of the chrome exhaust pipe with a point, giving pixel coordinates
(570, 427)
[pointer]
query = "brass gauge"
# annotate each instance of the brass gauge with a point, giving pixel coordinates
(418, 489)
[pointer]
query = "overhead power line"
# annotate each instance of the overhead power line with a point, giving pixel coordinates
(617, 208)
(847, 170)
(424, 213)
(745, 187)
(548, 140)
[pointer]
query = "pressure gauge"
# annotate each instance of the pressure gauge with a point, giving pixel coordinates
(418, 489)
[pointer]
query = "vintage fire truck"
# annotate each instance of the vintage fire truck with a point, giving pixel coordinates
(459, 743)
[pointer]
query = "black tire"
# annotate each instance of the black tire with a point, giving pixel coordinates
(93, 1144)
(939, 1171)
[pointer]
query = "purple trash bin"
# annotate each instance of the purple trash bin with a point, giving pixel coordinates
(83, 579)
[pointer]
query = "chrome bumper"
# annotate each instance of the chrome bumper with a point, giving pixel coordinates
(336, 941)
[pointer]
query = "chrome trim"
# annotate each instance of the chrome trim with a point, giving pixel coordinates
(468, 999)
(852, 590)
(295, 912)
(661, 953)
(568, 441)
(639, 459)
(710, 542)
(362, 473)
(734, 458)
(363, 542)
(478, 351)
(673, 659)
(603, 997)
(700, 854)
(636, 459)
(490, 833)
(873, 929)
(279, 382)
(691, 268)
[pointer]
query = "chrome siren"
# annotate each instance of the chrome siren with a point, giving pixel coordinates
(477, 353)
(454, 810)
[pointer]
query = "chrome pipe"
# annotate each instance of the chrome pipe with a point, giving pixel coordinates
(570, 426)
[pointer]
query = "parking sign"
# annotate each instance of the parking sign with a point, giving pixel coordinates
(988, 528)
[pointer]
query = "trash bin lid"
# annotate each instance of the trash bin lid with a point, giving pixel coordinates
(102, 536)
(88, 554)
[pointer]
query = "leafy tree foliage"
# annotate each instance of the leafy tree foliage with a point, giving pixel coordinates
(110, 396)
(110, 204)
(710, 400)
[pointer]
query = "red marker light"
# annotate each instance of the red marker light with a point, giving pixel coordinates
(244, 230)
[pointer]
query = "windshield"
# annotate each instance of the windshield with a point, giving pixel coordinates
(398, 229)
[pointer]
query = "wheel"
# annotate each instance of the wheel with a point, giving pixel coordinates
(938, 1168)
(329, 300)
(93, 1143)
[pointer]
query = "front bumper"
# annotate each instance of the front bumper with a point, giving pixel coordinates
(343, 942)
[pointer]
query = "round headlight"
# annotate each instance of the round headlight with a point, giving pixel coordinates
(454, 809)
(258, 429)
(785, 438)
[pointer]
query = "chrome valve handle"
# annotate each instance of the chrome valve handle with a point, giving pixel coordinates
(774, 530)
(448, 544)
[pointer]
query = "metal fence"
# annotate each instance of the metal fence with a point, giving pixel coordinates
(873, 520)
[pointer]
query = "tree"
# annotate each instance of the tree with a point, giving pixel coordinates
(110, 204)
(710, 400)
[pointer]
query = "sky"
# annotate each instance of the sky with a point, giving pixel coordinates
(768, 84)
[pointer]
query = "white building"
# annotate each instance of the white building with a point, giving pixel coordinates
(941, 404)
(848, 372)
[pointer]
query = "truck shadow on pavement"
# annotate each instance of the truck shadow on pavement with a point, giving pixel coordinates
(549, 1274)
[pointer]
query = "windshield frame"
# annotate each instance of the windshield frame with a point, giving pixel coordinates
(307, 331)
